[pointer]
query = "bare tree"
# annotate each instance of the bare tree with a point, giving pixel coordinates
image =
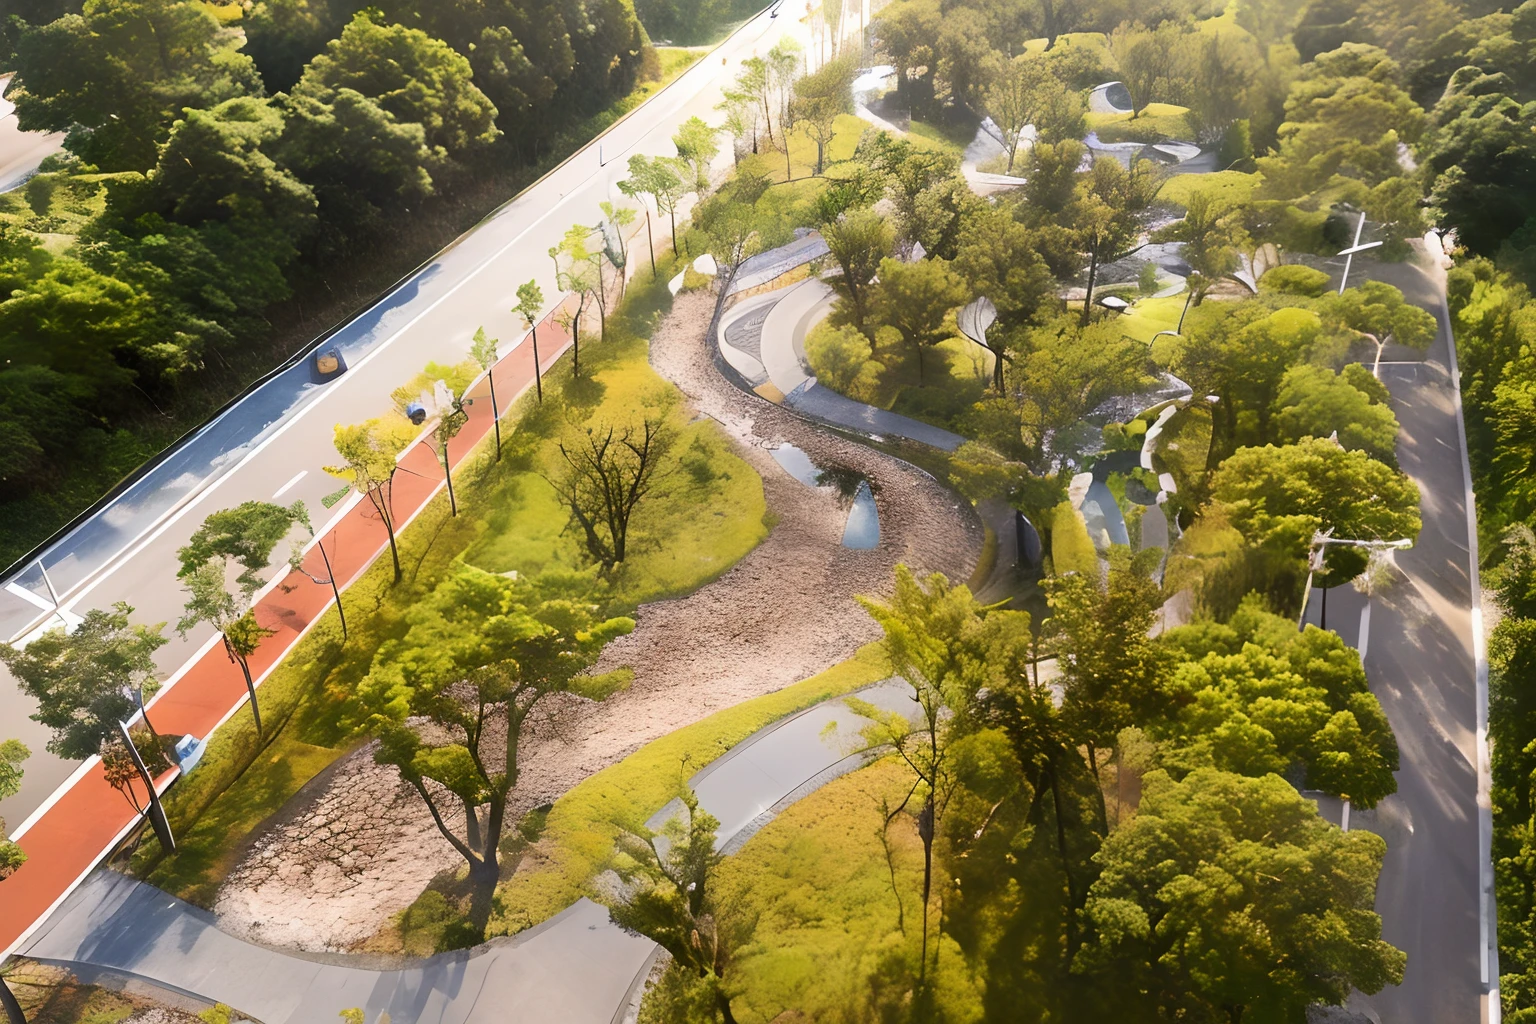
(606, 471)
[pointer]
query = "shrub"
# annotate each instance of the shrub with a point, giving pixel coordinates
(1236, 147)
(1295, 280)
(1071, 548)
(840, 358)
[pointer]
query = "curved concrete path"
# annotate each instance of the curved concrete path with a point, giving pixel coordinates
(576, 968)
(780, 347)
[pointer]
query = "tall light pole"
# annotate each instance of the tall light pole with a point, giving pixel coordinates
(1349, 254)
(1319, 548)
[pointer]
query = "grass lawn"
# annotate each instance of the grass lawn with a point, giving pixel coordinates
(578, 834)
(1156, 123)
(1148, 316)
(950, 136)
(710, 511)
(1227, 189)
(829, 924)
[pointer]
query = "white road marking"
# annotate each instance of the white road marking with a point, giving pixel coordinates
(284, 489)
(29, 597)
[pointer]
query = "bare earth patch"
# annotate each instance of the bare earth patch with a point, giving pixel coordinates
(359, 846)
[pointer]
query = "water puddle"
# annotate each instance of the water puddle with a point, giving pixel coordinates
(797, 464)
(861, 532)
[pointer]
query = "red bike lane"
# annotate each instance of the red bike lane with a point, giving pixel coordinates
(87, 817)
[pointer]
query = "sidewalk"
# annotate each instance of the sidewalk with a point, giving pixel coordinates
(776, 332)
(86, 817)
(576, 968)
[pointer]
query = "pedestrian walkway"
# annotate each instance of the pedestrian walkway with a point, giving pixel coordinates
(776, 341)
(576, 968)
(86, 817)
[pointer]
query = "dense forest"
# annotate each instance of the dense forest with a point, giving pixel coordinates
(226, 165)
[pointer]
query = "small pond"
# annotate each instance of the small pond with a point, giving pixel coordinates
(861, 532)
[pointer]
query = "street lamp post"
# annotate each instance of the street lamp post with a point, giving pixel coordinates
(1349, 254)
(1320, 542)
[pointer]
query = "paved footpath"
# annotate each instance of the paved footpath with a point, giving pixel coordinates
(766, 341)
(576, 968)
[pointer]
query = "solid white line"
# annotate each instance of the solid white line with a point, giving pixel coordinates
(284, 489)
(1488, 958)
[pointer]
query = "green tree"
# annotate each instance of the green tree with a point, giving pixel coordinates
(530, 303)
(116, 75)
(480, 655)
(370, 453)
(449, 410)
(1148, 60)
(784, 64)
(1216, 73)
(660, 178)
(415, 78)
(697, 145)
(998, 259)
(357, 158)
(838, 355)
(1216, 880)
(1346, 116)
(1111, 669)
(1279, 497)
(240, 538)
(1316, 402)
(1255, 696)
(85, 680)
(1240, 353)
(1212, 238)
(821, 98)
(482, 349)
(1474, 165)
(916, 299)
(12, 753)
(617, 250)
(1066, 371)
(1108, 213)
(857, 242)
(1378, 312)
(1026, 92)
(911, 174)
(672, 898)
(938, 642)
(214, 167)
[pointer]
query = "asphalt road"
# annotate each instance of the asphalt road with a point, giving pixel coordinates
(1421, 665)
(275, 443)
(21, 152)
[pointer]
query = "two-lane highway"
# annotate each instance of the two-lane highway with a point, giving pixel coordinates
(1422, 663)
